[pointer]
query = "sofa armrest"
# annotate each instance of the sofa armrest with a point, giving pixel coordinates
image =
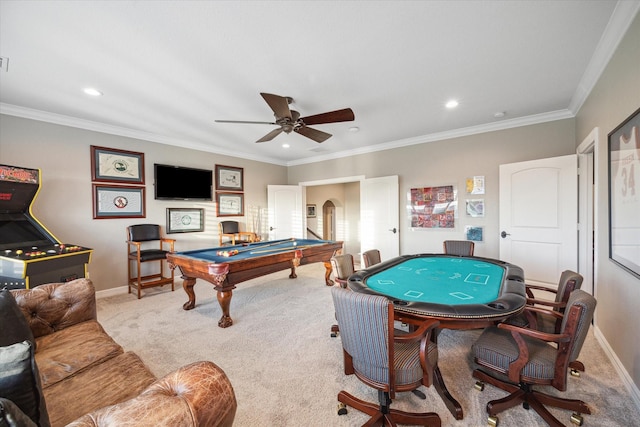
(54, 306)
(199, 394)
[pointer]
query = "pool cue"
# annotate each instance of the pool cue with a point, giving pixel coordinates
(283, 249)
(237, 251)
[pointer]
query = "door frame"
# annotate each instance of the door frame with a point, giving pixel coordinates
(589, 158)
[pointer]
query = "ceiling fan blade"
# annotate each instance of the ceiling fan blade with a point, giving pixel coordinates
(316, 135)
(278, 104)
(245, 122)
(270, 135)
(344, 115)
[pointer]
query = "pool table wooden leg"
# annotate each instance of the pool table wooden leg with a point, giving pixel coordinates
(187, 285)
(224, 299)
(327, 273)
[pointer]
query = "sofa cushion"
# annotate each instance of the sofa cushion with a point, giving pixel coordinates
(72, 350)
(19, 381)
(115, 380)
(19, 377)
(12, 416)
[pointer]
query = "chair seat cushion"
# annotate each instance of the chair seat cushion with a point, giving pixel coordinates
(407, 361)
(496, 349)
(151, 254)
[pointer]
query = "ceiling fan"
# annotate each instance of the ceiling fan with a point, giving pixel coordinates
(289, 120)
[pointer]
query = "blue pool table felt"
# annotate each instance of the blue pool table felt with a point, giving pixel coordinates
(441, 280)
(264, 248)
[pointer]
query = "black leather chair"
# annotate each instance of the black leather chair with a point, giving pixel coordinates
(231, 231)
(145, 243)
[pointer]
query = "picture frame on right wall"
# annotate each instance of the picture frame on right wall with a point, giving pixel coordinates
(624, 194)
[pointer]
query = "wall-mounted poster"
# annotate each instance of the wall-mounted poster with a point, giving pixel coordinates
(624, 194)
(433, 207)
(475, 185)
(475, 208)
(475, 234)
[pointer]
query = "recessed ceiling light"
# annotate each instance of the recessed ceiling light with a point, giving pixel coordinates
(451, 104)
(499, 114)
(285, 146)
(93, 92)
(354, 129)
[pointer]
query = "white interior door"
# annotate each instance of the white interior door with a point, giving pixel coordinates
(286, 208)
(379, 216)
(538, 217)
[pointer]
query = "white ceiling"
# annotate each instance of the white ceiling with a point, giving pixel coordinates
(168, 69)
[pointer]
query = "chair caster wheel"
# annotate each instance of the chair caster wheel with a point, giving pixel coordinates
(333, 335)
(419, 393)
(492, 421)
(479, 386)
(342, 409)
(575, 373)
(577, 419)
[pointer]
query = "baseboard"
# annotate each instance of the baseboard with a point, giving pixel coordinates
(624, 375)
(112, 292)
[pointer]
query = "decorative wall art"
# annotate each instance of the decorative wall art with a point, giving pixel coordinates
(119, 166)
(624, 194)
(311, 211)
(475, 185)
(475, 208)
(118, 201)
(229, 178)
(230, 204)
(475, 234)
(184, 220)
(433, 207)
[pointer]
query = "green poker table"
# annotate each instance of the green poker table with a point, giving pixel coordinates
(461, 292)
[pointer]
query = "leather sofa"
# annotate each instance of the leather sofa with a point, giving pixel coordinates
(87, 379)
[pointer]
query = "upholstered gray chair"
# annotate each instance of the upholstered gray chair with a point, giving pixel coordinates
(551, 322)
(458, 247)
(146, 243)
(530, 358)
(343, 267)
(371, 257)
(381, 359)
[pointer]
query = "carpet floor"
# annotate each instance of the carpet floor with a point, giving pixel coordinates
(286, 370)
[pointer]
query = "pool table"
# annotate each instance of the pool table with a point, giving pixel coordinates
(461, 292)
(225, 267)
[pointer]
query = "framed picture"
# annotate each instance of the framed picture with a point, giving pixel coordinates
(311, 211)
(624, 194)
(184, 220)
(111, 165)
(475, 234)
(230, 204)
(229, 178)
(475, 207)
(118, 201)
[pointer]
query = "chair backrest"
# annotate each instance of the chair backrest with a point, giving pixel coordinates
(458, 247)
(569, 282)
(371, 257)
(229, 227)
(366, 331)
(578, 298)
(343, 266)
(143, 232)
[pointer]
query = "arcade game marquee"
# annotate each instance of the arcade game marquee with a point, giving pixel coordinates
(29, 254)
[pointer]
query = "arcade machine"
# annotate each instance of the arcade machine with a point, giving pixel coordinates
(29, 254)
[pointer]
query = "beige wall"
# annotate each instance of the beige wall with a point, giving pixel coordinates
(614, 98)
(450, 162)
(64, 204)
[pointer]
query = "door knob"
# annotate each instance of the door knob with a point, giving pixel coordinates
(271, 228)
(394, 230)
(504, 234)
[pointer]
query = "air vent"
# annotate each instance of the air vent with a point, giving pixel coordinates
(4, 63)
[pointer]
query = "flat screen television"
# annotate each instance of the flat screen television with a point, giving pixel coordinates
(182, 183)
